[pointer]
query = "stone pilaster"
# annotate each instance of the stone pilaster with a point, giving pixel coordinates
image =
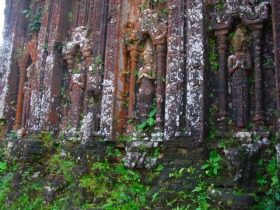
(160, 89)
(175, 75)
(22, 68)
(276, 37)
(221, 26)
(195, 70)
(254, 20)
(134, 55)
(110, 69)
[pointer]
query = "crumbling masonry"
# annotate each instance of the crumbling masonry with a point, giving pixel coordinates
(167, 75)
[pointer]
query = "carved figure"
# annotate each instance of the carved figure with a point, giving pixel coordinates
(77, 86)
(147, 71)
(146, 79)
(26, 104)
(26, 99)
(239, 64)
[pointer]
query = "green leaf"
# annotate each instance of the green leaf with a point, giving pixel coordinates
(205, 166)
(215, 171)
(141, 126)
(151, 121)
(152, 113)
(3, 167)
(277, 196)
(107, 205)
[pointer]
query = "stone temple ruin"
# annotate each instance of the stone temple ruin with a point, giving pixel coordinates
(177, 77)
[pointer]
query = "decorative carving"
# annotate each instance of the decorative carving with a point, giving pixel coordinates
(110, 67)
(254, 17)
(146, 80)
(132, 39)
(148, 69)
(78, 38)
(252, 14)
(156, 27)
(26, 104)
(175, 115)
(221, 23)
(82, 88)
(239, 64)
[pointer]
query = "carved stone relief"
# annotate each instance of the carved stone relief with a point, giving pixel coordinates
(243, 102)
(146, 82)
(239, 66)
(24, 92)
(146, 43)
(84, 85)
(156, 27)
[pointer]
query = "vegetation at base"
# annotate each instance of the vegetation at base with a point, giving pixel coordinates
(107, 184)
(110, 185)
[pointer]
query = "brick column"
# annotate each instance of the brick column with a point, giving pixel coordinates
(22, 69)
(160, 90)
(134, 55)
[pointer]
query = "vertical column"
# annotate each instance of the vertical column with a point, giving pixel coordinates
(134, 54)
(110, 69)
(222, 49)
(160, 89)
(175, 87)
(195, 70)
(22, 69)
(88, 59)
(254, 20)
(257, 36)
(276, 38)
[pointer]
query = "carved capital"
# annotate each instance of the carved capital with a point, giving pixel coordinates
(134, 55)
(220, 21)
(254, 14)
(79, 38)
(154, 25)
(222, 40)
(132, 36)
(133, 47)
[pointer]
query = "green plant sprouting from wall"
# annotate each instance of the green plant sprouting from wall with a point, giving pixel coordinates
(150, 122)
(36, 21)
(213, 55)
(213, 164)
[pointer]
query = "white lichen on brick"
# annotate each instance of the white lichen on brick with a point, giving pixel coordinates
(195, 66)
(174, 75)
(137, 154)
(5, 70)
(46, 97)
(278, 152)
(78, 38)
(107, 104)
(86, 126)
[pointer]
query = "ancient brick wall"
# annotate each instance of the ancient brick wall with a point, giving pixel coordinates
(179, 75)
